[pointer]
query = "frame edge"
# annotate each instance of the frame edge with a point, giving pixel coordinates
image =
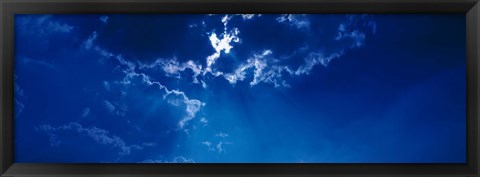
(6, 88)
(7, 99)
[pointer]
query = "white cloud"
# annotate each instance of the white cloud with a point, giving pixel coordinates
(258, 73)
(208, 144)
(204, 85)
(250, 16)
(315, 58)
(100, 136)
(220, 146)
(222, 44)
(297, 20)
(221, 135)
(204, 121)
(225, 20)
(58, 27)
(255, 63)
(172, 67)
(192, 106)
(104, 19)
(357, 36)
(263, 71)
(182, 159)
(173, 97)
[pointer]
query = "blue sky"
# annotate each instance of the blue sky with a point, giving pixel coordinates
(285, 88)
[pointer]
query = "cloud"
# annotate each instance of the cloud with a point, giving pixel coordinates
(42, 25)
(106, 85)
(87, 44)
(19, 94)
(221, 44)
(315, 58)
(204, 121)
(299, 21)
(104, 19)
(257, 63)
(85, 112)
(263, 71)
(193, 106)
(173, 97)
(208, 144)
(355, 29)
(250, 16)
(53, 139)
(18, 90)
(204, 85)
(177, 159)
(220, 146)
(26, 60)
(264, 67)
(109, 106)
(99, 135)
(221, 135)
(19, 107)
(172, 67)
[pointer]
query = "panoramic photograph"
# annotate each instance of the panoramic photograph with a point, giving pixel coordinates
(240, 88)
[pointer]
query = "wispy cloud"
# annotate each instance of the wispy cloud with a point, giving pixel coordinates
(264, 67)
(355, 28)
(220, 146)
(221, 135)
(106, 85)
(299, 21)
(315, 58)
(43, 25)
(19, 107)
(109, 106)
(204, 121)
(250, 16)
(177, 159)
(85, 112)
(104, 19)
(43, 63)
(263, 71)
(172, 67)
(19, 95)
(99, 135)
(208, 144)
(192, 106)
(87, 44)
(173, 97)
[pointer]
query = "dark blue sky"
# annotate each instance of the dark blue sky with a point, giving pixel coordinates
(325, 88)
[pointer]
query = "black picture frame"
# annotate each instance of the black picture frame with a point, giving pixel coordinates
(8, 8)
